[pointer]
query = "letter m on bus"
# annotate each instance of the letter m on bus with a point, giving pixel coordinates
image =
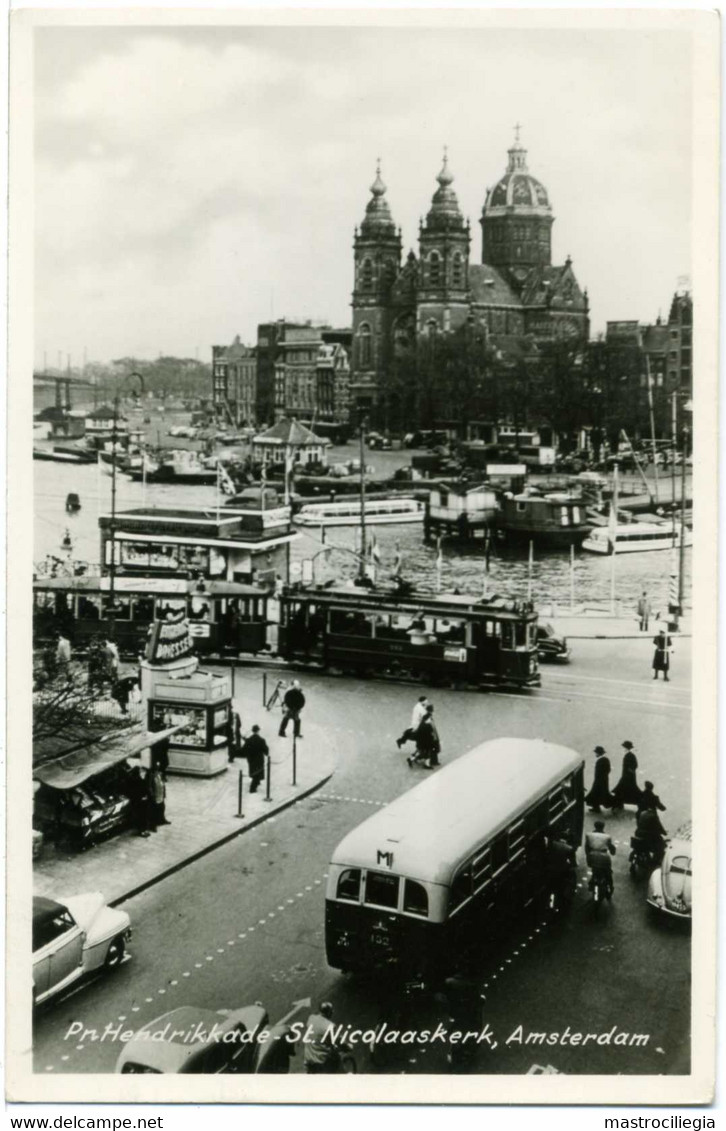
(384, 858)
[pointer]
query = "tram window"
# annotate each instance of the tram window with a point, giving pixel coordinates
(122, 608)
(89, 608)
(507, 635)
(520, 635)
(576, 514)
(415, 898)
(516, 838)
(461, 888)
(564, 516)
(144, 609)
(521, 507)
(500, 853)
(531, 635)
(200, 609)
(381, 889)
(349, 885)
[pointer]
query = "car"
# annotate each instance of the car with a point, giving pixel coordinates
(550, 646)
(669, 887)
(72, 938)
(201, 1042)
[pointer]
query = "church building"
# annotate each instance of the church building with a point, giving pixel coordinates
(515, 294)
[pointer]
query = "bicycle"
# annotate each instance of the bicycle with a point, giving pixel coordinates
(277, 695)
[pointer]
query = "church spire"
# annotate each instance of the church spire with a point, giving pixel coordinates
(378, 220)
(444, 211)
(517, 154)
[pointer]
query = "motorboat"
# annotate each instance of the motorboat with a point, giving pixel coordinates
(635, 537)
(378, 512)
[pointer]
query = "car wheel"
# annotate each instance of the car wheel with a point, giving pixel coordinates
(348, 1065)
(115, 954)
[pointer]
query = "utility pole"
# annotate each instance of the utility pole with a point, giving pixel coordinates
(362, 500)
(112, 564)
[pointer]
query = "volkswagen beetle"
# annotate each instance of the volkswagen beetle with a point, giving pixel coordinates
(669, 888)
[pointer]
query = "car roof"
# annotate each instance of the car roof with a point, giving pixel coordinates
(170, 1056)
(45, 909)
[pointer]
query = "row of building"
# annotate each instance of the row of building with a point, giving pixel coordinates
(515, 296)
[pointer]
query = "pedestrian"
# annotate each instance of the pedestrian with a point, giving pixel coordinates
(160, 756)
(320, 1053)
(293, 702)
(600, 792)
(256, 751)
(649, 799)
(157, 789)
(121, 692)
(661, 656)
(419, 710)
(110, 661)
(428, 746)
(627, 791)
(234, 735)
(50, 658)
(95, 665)
(63, 655)
(644, 611)
(141, 803)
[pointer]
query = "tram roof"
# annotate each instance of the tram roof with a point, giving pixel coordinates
(374, 599)
(149, 586)
(435, 826)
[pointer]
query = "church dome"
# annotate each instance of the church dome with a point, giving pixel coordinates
(518, 188)
(444, 212)
(378, 220)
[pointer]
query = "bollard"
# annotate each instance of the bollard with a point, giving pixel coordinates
(264, 689)
(267, 777)
(240, 791)
(294, 758)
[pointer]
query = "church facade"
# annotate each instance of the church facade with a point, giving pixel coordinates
(515, 294)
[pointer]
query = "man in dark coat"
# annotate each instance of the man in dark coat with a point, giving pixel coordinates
(661, 656)
(294, 702)
(255, 750)
(650, 800)
(600, 791)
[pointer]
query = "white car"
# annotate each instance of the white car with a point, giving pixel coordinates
(71, 938)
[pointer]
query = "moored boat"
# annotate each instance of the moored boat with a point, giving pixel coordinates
(635, 537)
(556, 519)
(378, 512)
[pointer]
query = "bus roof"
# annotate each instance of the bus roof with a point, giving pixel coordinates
(436, 825)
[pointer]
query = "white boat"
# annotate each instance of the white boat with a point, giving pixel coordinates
(635, 537)
(377, 512)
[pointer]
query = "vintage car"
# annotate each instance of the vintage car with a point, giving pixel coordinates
(550, 646)
(73, 937)
(669, 888)
(199, 1041)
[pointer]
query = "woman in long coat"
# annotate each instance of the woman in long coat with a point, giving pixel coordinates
(600, 792)
(627, 791)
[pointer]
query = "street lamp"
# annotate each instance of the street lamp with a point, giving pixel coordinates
(112, 564)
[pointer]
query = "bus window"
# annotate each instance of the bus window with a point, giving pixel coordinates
(516, 839)
(415, 898)
(89, 608)
(381, 889)
(461, 888)
(144, 609)
(349, 885)
(481, 867)
(500, 853)
(556, 803)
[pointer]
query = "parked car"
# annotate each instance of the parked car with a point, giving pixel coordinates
(669, 888)
(377, 442)
(550, 646)
(225, 1042)
(73, 937)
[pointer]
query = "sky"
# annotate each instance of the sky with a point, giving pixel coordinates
(192, 182)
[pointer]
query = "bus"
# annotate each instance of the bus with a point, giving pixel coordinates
(449, 866)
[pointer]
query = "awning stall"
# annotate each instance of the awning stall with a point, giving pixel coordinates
(83, 795)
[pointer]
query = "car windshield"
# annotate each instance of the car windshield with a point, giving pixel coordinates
(681, 866)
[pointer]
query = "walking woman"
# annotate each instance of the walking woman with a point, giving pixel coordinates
(627, 791)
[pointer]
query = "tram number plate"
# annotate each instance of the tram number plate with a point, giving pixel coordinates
(458, 655)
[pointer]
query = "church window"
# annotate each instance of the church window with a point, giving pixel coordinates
(434, 268)
(458, 271)
(367, 274)
(364, 351)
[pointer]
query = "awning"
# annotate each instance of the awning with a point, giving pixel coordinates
(73, 769)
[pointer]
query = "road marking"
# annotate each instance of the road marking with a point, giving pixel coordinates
(242, 935)
(49, 1067)
(66, 1057)
(134, 1008)
(198, 965)
(149, 999)
(161, 991)
(220, 950)
(186, 974)
(209, 958)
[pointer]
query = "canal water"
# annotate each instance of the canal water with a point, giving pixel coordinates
(461, 568)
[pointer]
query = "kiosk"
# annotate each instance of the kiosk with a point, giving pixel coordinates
(180, 694)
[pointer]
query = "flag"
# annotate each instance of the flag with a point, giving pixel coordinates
(263, 474)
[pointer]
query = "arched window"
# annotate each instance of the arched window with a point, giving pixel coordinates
(432, 328)
(367, 274)
(457, 272)
(364, 350)
(434, 268)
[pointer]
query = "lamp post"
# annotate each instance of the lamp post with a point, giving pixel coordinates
(112, 563)
(361, 430)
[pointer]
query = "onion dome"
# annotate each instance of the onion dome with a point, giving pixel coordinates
(518, 188)
(444, 213)
(378, 220)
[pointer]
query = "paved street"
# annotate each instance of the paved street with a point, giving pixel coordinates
(245, 923)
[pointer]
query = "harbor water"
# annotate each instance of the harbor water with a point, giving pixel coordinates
(461, 568)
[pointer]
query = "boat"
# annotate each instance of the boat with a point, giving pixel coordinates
(180, 466)
(378, 512)
(76, 453)
(57, 456)
(635, 537)
(556, 519)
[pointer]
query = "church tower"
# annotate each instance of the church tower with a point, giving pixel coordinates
(377, 247)
(444, 240)
(517, 219)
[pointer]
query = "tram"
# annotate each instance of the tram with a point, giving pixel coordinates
(449, 638)
(224, 617)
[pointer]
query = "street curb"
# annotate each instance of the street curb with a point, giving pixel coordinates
(630, 636)
(163, 875)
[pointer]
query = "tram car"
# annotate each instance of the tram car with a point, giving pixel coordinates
(448, 638)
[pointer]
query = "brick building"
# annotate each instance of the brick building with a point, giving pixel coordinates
(234, 383)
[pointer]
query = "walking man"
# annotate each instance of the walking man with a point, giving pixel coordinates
(649, 799)
(255, 750)
(644, 611)
(419, 710)
(600, 792)
(294, 701)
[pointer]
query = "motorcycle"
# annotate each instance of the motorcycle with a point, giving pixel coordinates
(644, 856)
(601, 886)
